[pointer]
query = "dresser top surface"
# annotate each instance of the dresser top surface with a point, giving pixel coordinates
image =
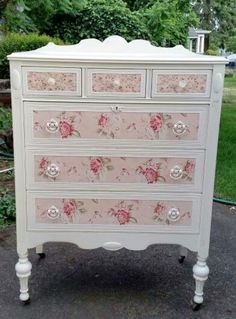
(115, 48)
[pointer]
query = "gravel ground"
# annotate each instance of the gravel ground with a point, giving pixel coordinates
(74, 283)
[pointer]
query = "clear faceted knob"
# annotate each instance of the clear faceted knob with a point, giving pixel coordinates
(179, 128)
(173, 214)
(53, 212)
(182, 84)
(116, 83)
(176, 172)
(52, 170)
(51, 81)
(52, 126)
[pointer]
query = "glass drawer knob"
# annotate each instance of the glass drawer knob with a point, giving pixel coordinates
(176, 172)
(52, 126)
(179, 128)
(51, 81)
(182, 84)
(53, 212)
(173, 214)
(116, 83)
(52, 170)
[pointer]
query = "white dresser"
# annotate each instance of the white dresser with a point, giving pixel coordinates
(115, 146)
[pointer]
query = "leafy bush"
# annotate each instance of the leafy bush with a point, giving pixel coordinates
(211, 52)
(7, 208)
(14, 42)
(99, 19)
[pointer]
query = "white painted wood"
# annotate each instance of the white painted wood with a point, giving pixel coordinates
(39, 249)
(115, 54)
(200, 274)
(191, 229)
(90, 93)
(202, 110)
(27, 92)
(112, 49)
(196, 185)
(181, 71)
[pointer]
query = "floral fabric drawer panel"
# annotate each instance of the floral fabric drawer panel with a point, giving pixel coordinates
(116, 82)
(77, 125)
(52, 81)
(98, 169)
(113, 211)
(181, 83)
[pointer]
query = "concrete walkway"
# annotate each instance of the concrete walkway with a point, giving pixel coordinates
(74, 283)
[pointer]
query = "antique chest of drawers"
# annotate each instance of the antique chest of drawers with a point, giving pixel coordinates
(115, 146)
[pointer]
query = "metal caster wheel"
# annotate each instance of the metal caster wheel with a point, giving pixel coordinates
(181, 259)
(26, 302)
(195, 306)
(42, 255)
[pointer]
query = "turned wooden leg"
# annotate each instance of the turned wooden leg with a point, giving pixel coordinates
(183, 252)
(200, 274)
(39, 251)
(23, 271)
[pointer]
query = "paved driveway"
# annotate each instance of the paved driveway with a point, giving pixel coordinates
(74, 283)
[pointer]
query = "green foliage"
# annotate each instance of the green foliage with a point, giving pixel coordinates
(168, 21)
(231, 44)
(99, 19)
(7, 208)
(20, 42)
(5, 118)
(34, 15)
(211, 52)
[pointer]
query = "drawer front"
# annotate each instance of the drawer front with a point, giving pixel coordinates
(52, 81)
(154, 124)
(103, 169)
(116, 82)
(181, 83)
(159, 212)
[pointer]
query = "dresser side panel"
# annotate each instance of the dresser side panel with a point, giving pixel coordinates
(19, 155)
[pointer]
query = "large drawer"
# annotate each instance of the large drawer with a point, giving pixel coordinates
(115, 169)
(181, 83)
(51, 81)
(116, 82)
(120, 124)
(113, 211)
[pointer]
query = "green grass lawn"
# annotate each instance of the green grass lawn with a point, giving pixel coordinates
(225, 184)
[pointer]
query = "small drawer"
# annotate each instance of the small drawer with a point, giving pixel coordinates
(108, 124)
(116, 169)
(51, 81)
(181, 83)
(157, 212)
(116, 82)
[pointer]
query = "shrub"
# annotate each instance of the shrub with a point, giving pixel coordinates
(211, 52)
(99, 19)
(14, 42)
(7, 208)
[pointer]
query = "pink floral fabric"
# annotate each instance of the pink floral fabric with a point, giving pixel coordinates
(38, 81)
(87, 169)
(181, 83)
(113, 211)
(125, 83)
(123, 125)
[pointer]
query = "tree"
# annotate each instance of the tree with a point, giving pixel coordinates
(218, 16)
(168, 21)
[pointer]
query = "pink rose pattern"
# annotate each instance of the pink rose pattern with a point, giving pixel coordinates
(85, 169)
(169, 83)
(110, 125)
(38, 81)
(113, 211)
(103, 82)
